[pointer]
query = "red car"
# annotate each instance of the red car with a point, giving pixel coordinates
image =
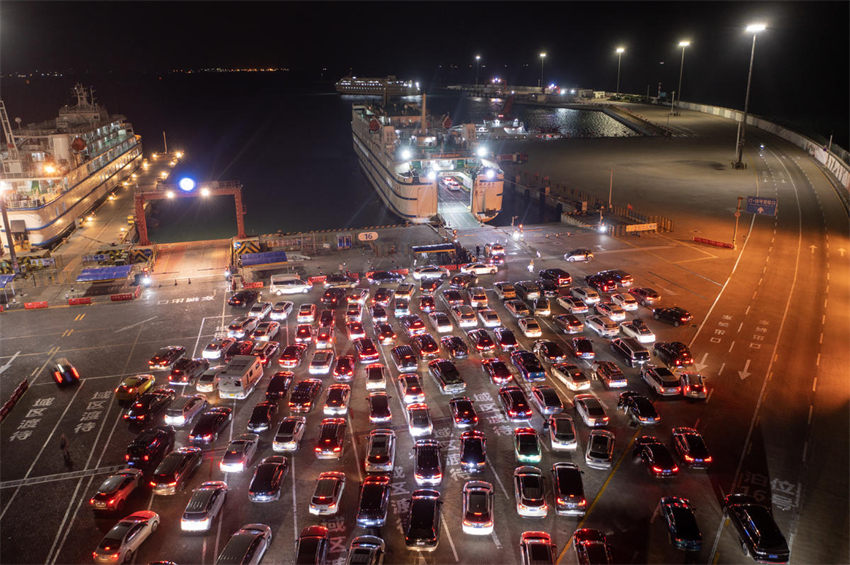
(344, 368)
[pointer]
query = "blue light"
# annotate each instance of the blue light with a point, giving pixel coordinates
(186, 184)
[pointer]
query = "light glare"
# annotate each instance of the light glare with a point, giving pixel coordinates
(755, 28)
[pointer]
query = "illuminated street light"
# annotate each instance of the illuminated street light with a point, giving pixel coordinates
(405, 154)
(682, 44)
(170, 194)
(542, 58)
(742, 126)
(482, 151)
(477, 62)
(205, 192)
(620, 51)
(187, 184)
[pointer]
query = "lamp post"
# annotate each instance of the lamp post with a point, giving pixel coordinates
(682, 44)
(742, 127)
(477, 61)
(542, 58)
(620, 52)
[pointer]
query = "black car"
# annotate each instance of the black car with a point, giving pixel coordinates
(673, 315)
(447, 376)
(304, 395)
(559, 276)
(379, 408)
(430, 286)
(333, 297)
(473, 451)
(691, 449)
(243, 298)
(505, 339)
(548, 288)
(657, 458)
(64, 373)
(463, 412)
(674, 354)
(176, 469)
(638, 407)
(499, 373)
(760, 537)
(515, 403)
(426, 346)
(549, 351)
(312, 546)
(427, 462)
(600, 283)
(423, 520)
(464, 281)
(374, 500)
(209, 425)
(455, 346)
(147, 406)
(621, 277)
(681, 523)
(279, 385)
(380, 277)
(528, 365)
(480, 339)
(568, 489)
(150, 447)
(166, 357)
(268, 479)
(262, 416)
(186, 371)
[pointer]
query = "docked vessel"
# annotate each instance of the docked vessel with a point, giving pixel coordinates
(407, 156)
(56, 171)
(389, 86)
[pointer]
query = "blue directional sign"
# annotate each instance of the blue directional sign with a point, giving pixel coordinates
(761, 205)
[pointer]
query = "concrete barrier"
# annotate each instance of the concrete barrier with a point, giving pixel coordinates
(258, 284)
(714, 243)
(121, 297)
(77, 301)
(7, 407)
(35, 305)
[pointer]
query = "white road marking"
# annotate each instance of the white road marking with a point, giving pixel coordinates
(452, 543)
(720, 370)
(136, 324)
(9, 363)
(815, 384)
(811, 408)
(294, 498)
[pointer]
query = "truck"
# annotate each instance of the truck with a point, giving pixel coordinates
(240, 377)
(512, 158)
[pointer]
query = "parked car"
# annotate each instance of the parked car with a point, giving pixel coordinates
(112, 494)
(267, 482)
(568, 489)
(204, 506)
(124, 539)
(681, 522)
(328, 493)
(760, 537)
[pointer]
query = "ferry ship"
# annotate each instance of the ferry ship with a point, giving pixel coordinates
(56, 171)
(406, 156)
(389, 86)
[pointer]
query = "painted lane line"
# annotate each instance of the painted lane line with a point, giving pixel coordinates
(805, 450)
(720, 370)
(811, 408)
(815, 384)
(294, 499)
(731, 346)
(9, 364)
(498, 480)
(136, 324)
(741, 325)
(452, 544)
(817, 362)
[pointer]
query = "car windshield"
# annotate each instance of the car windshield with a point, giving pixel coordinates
(596, 553)
(540, 553)
(199, 501)
(419, 417)
(564, 429)
(380, 445)
(115, 536)
(264, 474)
(472, 448)
(686, 523)
(595, 409)
(428, 457)
(422, 518)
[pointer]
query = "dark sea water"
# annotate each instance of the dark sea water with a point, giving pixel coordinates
(290, 145)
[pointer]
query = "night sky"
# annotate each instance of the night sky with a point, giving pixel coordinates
(801, 64)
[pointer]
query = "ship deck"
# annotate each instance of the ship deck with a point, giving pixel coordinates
(453, 207)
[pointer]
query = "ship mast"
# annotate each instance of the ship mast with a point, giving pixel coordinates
(424, 125)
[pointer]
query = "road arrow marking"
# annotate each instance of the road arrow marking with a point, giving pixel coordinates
(702, 364)
(136, 324)
(744, 374)
(9, 363)
(813, 247)
(760, 210)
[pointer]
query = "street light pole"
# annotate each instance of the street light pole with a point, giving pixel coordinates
(542, 58)
(682, 44)
(742, 128)
(620, 51)
(477, 61)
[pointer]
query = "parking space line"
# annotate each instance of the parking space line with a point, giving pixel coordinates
(452, 543)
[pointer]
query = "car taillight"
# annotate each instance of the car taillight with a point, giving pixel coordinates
(337, 448)
(172, 484)
(656, 469)
(146, 458)
(582, 502)
(127, 457)
(153, 483)
(318, 449)
(126, 416)
(92, 501)
(707, 459)
(57, 376)
(141, 417)
(675, 468)
(688, 458)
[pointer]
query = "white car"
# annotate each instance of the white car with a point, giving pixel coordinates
(464, 316)
(625, 301)
(489, 318)
(184, 409)
(600, 449)
(354, 312)
(204, 506)
(239, 453)
(504, 290)
(289, 433)
(326, 497)
(405, 290)
(602, 325)
(357, 296)
(572, 304)
(693, 385)
(380, 451)
(638, 330)
(419, 420)
(266, 331)
(585, 294)
(562, 433)
(591, 410)
(281, 310)
(376, 377)
(530, 492)
(477, 297)
(125, 537)
(322, 361)
(430, 272)
(614, 312)
(260, 310)
(336, 401)
(440, 321)
(479, 269)
(517, 308)
(571, 376)
(306, 314)
(478, 508)
(530, 327)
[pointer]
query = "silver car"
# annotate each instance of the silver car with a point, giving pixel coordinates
(328, 493)
(289, 433)
(600, 449)
(590, 410)
(184, 409)
(281, 310)
(322, 362)
(260, 310)
(239, 453)
(380, 451)
(562, 433)
(247, 546)
(203, 507)
(125, 537)
(602, 325)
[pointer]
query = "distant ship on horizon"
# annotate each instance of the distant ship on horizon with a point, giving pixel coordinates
(389, 86)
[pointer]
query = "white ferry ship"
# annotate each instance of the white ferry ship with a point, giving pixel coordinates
(389, 86)
(406, 157)
(56, 171)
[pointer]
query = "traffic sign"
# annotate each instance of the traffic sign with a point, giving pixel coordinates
(761, 205)
(737, 214)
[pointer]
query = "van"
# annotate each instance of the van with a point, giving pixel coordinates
(289, 283)
(631, 349)
(240, 376)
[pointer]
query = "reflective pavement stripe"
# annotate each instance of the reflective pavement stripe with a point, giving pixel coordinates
(61, 476)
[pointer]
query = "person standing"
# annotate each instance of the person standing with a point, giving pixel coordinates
(63, 446)
(477, 251)
(531, 266)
